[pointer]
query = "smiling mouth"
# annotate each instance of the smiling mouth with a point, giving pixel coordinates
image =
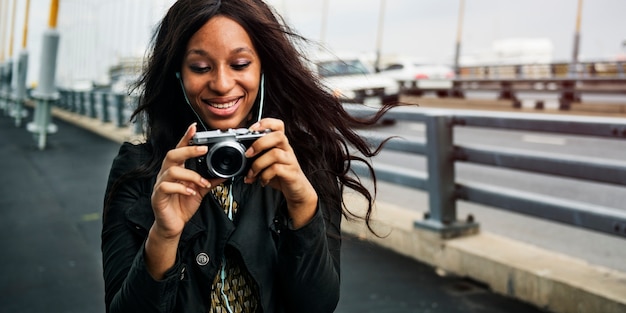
(223, 105)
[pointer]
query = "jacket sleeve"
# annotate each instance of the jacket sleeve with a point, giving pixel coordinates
(309, 263)
(128, 285)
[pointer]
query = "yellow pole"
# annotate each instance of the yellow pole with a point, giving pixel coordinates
(579, 15)
(25, 32)
(459, 30)
(3, 9)
(12, 30)
(54, 11)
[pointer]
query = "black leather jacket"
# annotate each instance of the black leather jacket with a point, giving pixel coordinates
(295, 270)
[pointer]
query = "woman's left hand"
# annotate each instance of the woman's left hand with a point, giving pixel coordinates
(277, 166)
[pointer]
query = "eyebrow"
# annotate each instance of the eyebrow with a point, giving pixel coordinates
(205, 53)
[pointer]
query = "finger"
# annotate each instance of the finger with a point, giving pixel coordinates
(170, 188)
(268, 123)
(271, 140)
(178, 156)
(271, 158)
(180, 174)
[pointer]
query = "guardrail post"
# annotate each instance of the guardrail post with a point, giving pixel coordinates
(92, 104)
(104, 101)
(75, 101)
(119, 109)
(457, 90)
(5, 85)
(507, 93)
(82, 108)
(18, 112)
(139, 119)
(46, 92)
(442, 216)
(568, 94)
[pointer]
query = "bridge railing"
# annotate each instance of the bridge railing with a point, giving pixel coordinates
(444, 189)
(440, 181)
(569, 90)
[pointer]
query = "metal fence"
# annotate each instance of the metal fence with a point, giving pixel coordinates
(444, 189)
(440, 181)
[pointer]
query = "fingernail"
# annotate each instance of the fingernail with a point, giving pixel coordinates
(255, 126)
(202, 148)
(191, 191)
(205, 183)
(249, 152)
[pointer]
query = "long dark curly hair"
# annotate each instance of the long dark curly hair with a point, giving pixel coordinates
(320, 131)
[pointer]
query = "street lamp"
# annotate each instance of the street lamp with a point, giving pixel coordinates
(457, 50)
(379, 39)
(574, 64)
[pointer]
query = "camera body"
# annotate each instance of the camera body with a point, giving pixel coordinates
(226, 156)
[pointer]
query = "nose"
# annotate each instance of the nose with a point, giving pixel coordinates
(222, 81)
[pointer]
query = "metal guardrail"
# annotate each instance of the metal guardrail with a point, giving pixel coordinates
(568, 89)
(444, 189)
(597, 68)
(441, 153)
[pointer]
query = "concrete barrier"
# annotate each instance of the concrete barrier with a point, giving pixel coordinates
(549, 280)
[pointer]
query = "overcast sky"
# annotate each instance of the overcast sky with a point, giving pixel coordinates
(96, 33)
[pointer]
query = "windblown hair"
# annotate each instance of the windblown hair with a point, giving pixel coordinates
(320, 131)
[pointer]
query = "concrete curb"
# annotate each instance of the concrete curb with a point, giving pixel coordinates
(549, 280)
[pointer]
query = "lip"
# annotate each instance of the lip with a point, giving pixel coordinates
(222, 107)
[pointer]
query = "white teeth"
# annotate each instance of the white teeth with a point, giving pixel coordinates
(223, 105)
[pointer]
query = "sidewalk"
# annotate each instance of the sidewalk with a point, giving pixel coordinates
(50, 229)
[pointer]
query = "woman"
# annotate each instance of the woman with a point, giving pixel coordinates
(178, 240)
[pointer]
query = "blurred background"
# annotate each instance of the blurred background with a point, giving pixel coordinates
(97, 34)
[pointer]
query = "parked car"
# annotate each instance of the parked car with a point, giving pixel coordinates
(351, 79)
(408, 70)
(416, 78)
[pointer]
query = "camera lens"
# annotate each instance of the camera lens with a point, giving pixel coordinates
(226, 159)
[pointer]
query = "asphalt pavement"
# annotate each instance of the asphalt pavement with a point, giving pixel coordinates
(50, 222)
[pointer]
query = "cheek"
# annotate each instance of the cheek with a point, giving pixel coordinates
(252, 85)
(193, 88)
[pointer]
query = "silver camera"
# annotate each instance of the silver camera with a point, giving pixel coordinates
(226, 156)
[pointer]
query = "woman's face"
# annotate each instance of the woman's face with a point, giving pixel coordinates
(221, 73)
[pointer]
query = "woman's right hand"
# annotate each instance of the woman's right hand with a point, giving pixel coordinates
(178, 191)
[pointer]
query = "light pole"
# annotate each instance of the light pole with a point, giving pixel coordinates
(379, 38)
(46, 92)
(21, 69)
(324, 24)
(457, 50)
(574, 64)
(7, 66)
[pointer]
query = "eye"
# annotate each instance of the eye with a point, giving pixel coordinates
(241, 65)
(199, 68)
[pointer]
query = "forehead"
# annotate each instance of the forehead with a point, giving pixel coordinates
(220, 33)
